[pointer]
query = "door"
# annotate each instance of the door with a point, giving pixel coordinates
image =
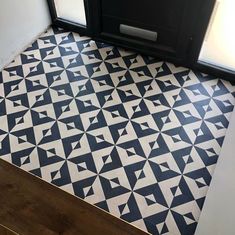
(70, 14)
(179, 26)
(169, 29)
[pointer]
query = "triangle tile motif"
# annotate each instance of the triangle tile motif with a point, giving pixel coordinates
(131, 134)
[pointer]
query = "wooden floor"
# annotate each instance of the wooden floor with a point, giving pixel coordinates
(32, 206)
(6, 231)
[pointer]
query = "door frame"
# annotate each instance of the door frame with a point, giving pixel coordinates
(75, 27)
(214, 70)
(200, 31)
(197, 43)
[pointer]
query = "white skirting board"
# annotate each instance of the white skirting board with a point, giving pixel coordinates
(218, 214)
(21, 22)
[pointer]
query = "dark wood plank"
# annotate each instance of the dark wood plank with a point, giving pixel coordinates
(6, 231)
(32, 206)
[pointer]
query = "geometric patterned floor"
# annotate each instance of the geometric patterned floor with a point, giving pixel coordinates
(134, 135)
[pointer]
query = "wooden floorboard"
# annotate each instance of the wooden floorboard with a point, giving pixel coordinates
(6, 231)
(32, 206)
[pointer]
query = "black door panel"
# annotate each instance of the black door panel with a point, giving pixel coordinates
(166, 36)
(180, 25)
(176, 22)
(158, 13)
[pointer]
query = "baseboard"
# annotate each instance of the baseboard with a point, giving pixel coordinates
(19, 51)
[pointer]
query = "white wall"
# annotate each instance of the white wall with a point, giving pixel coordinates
(21, 21)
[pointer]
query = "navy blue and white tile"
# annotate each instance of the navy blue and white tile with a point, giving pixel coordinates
(131, 134)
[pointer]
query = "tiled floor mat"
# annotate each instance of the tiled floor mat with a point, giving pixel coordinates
(131, 134)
